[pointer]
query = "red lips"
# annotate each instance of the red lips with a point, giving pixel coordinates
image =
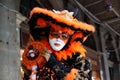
(56, 44)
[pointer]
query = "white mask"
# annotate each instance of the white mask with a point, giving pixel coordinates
(56, 43)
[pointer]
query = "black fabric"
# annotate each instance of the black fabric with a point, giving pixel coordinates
(57, 67)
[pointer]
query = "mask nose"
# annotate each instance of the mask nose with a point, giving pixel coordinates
(58, 39)
(58, 36)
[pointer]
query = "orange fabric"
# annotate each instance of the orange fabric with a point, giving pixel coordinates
(41, 22)
(77, 35)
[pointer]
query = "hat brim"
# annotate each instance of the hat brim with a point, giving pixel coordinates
(52, 17)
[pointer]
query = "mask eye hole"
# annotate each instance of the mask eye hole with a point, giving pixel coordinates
(64, 36)
(54, 34)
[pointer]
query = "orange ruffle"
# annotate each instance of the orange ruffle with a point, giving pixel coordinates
(72, 48)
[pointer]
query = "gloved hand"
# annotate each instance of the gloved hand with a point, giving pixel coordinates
(46, 53)
(35, 53)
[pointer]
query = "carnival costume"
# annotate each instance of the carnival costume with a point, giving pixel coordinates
(41, 61)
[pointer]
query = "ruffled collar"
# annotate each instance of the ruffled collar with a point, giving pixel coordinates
(72, 48)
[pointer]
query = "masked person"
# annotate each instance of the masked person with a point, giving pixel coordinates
(56, 52)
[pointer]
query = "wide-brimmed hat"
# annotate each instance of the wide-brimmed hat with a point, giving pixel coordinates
(41, 18)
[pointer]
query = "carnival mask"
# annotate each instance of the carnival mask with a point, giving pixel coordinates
(58, 39)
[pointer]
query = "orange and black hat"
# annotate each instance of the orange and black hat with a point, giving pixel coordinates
(41, 18)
